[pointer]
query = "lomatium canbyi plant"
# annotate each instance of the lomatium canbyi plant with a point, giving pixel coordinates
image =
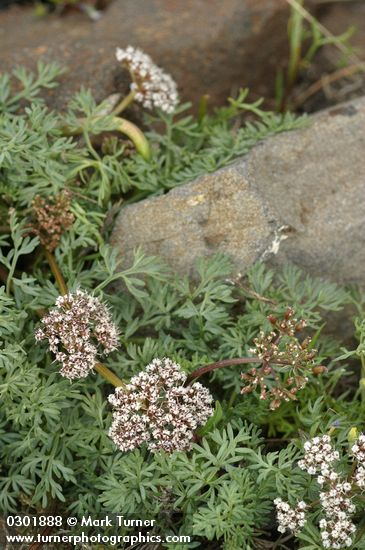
(220, 407)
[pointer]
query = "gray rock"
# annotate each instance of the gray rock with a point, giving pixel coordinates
(298, 197)
(209, 46)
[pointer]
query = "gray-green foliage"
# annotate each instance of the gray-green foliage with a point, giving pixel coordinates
(54, 446)
(46, 160)
(54, 442)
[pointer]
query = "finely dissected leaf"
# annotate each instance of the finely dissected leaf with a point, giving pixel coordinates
(54, 443)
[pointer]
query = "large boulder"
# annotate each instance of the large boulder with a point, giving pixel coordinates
(298, 197)
(209, 46)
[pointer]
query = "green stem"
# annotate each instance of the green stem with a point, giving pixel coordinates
(362, 379)
(203, 107)
(109, 375)
(56, 272)
(90, 146)
(124, 127)
(126, 101)
(232, 399)
(135, 135)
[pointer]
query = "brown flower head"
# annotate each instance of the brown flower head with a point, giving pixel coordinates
(76, 329)
(52, 217)
(286, 361)
(156, 408)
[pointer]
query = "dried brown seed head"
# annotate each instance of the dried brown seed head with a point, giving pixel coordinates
(51, 218)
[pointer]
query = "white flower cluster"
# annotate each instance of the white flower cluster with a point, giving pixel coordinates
(359, 477)
(291, 519)
(319, 455)
(156, 408)
(152, 86)
(336, 528)
(336, 502)
(358, 451)
(336, 533)
(75, 329)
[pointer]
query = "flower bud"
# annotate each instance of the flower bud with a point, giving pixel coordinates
(319, 369)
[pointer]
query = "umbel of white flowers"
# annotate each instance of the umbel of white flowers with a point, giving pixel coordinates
(292, 519)
(151, 85)
(358, 451)
(156, 408)
(76, 329)
(336, 528)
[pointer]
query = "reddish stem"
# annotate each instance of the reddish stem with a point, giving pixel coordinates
(228, 363)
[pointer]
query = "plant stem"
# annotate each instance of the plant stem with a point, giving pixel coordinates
(109, 375)
(355, 59)
(232, 399)
(362, 379)
(126, 101)
(325, 81)
(282, 540)
(135, 135)
(221, 364)
(229, 363)
(120, 125)
(203, 107)
(254, 294)
(56, 272)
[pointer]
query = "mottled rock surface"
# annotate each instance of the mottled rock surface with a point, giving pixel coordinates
(298, 197)
(209, 46)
